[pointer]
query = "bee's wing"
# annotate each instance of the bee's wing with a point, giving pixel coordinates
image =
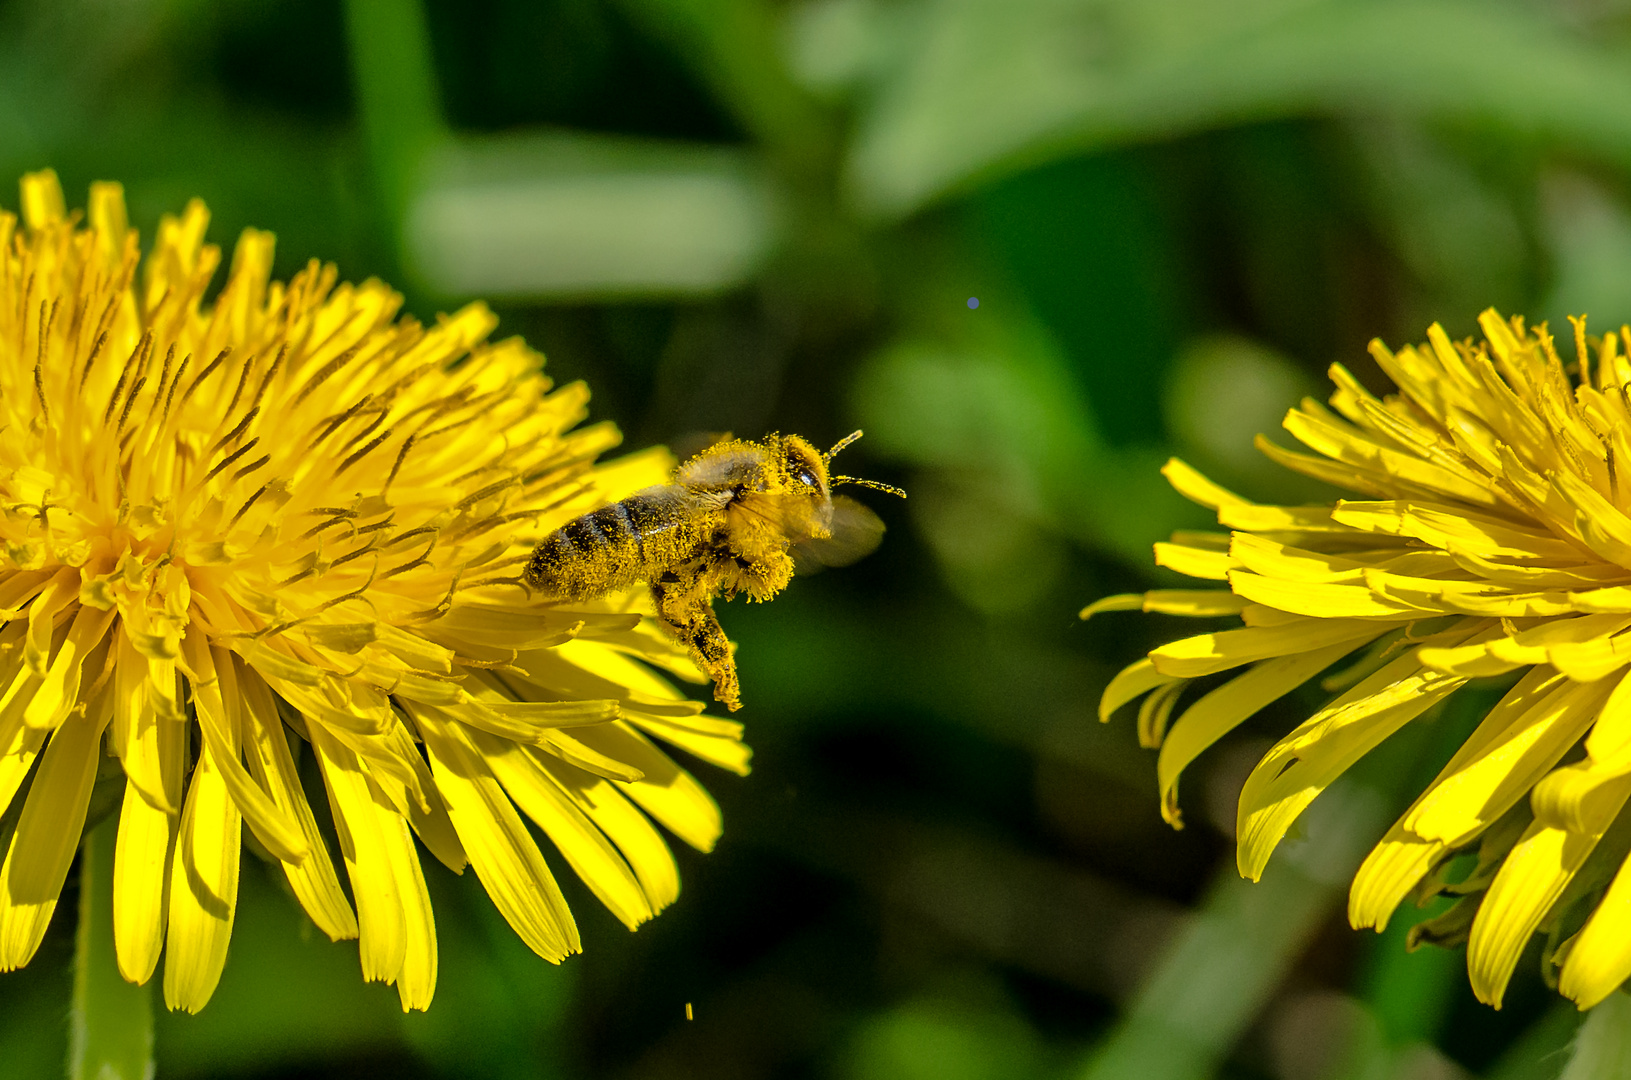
(856, 530)
(689, 445)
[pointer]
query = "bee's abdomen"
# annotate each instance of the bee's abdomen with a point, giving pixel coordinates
(605, 549)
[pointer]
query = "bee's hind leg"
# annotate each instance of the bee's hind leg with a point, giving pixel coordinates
(694, 623)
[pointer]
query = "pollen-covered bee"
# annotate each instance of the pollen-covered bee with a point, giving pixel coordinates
(734, 519)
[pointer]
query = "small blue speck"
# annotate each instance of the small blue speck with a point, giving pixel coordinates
(973, 302)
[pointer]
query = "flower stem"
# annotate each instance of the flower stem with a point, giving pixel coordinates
(1602, 1050)
(111, 1028)
(395, 76)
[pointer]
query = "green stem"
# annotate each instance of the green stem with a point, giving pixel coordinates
(1603, 1049)
(735, 46)
(111, 1027)
(1235, 951)
(397, 96)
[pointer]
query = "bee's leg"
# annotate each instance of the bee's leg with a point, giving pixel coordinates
(763, 578)
(691, 619)
(710, 646)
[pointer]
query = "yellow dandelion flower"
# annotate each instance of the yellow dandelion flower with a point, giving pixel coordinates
(285, 525)
(1490, 536)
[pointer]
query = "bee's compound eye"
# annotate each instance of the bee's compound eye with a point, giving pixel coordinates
(803, 466)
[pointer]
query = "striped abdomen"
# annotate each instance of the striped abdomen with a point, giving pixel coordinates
(617, 545)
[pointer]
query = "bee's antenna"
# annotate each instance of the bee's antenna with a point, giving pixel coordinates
(845, 441)
(837, 480)
(891, 488)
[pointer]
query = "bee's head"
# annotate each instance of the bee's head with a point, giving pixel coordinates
(806, 468)
(808, 471)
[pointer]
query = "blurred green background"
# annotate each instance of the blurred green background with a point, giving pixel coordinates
(749, 215)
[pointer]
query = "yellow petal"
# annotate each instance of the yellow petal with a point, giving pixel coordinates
(415, 651)
(1119, 602)
(203, 889)
(313, 879)
(398, 773)
(42, 199)
(1194, 561)
(421, 803)
(1304, 763)
(1137, 678)
(641, 844)
(1288, 519)
(1583, 797)
(1216, 714)
(525, 721)
(416, 982)
(1393, 868)
(502, 851)
(1600, 959)
(177, 253)
(1530, 881)
(585, 848)
(150, 738)
(47, 834)
(1206, 654)
(574, 750)
(404, 947)
(665, 791)
(701, 724)
(506, 627)
(1155, 711)
(141, 869)
(1352, 478)
(622, 477)
(1193, 603)
(725, 752)
(639, 681)
(59, 690)
(1318, 599)
(1349, 445)
(1189, 483)
(216, 701)
(353, 718)
(1588, 661)
(1599, 522)
(1454, 528)
(1467, 597)
(1504, 757)
(245, 291)
(396, 928)
(1469, 661)
(1579, 640)
(1525, 576)
(1291, 564)
(16, 760)
(1612, 598)
(1611, 735)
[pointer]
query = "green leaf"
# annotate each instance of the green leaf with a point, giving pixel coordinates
(1602, 1050)
(563, 215)
(992, 86)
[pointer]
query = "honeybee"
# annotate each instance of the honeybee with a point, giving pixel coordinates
(736, 518)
